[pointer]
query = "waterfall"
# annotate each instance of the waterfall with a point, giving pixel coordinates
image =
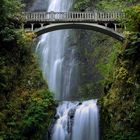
(62, 126)
(85, 125)
(75, 120)
(56, 59)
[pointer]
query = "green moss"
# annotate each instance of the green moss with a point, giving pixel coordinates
(122, 74)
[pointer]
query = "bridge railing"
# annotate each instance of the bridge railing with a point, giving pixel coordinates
(72, 16)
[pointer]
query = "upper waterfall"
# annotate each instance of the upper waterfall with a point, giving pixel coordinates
(60, 5)
(56, 58)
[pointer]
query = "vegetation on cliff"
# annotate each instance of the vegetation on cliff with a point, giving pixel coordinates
(121, 100)
(81, 4)
(116, 5)
(26, 104)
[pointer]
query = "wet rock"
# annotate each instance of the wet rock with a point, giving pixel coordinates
(71, 113)
(56, 116)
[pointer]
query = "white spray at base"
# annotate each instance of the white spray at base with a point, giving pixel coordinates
(86, 123)
(62, 125)
(83, 126)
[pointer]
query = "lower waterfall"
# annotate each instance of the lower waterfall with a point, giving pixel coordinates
(86, 121)
(77, 121)
(61, 130)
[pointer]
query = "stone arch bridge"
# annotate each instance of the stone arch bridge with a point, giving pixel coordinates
(104, 22)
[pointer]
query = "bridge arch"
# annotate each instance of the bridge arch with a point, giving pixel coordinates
(86, 26)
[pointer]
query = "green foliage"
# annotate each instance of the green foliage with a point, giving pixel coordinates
(120, 106)
(106, 64)
(132, 19)
(10, 17)
(116, 5)
(26, 104)
(37, 112)
(131, 9)
(13, 56)
(27, 115)
(24, 95)
(81, 4)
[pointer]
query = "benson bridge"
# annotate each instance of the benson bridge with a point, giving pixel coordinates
(104, 22)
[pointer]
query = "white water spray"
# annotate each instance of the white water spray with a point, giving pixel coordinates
(62, 126)
(86, 121)
(77, 121)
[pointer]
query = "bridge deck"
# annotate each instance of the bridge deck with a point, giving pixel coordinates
(42, 21)
(94, 16)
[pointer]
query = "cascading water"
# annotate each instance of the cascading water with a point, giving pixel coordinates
(86, 121)
(76, 121)
(52, 51)
(62, 127)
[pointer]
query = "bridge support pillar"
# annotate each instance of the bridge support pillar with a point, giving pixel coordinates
(22, 26)
(105, 24)
(95, 15)
(115, 27)
(32, 26)
(41, 25)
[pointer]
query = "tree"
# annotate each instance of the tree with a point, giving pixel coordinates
(81, 4)
(132, 20)
(9, 18)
